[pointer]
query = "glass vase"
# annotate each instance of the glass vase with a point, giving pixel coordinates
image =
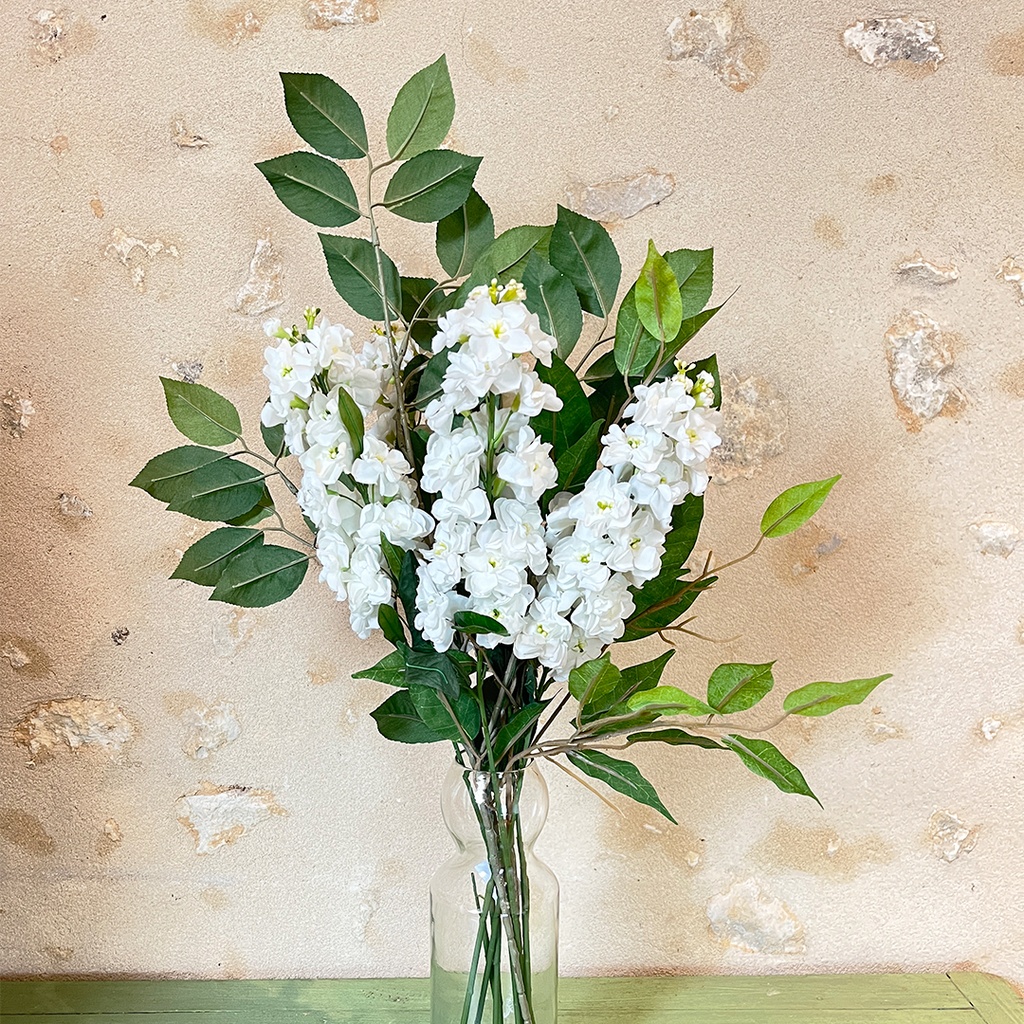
(494, 905)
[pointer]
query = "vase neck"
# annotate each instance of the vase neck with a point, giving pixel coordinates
(471, 799)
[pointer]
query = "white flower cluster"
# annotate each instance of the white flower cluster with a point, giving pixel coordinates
(559, 583)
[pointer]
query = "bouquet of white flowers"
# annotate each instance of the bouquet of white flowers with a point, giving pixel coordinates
(502, 512)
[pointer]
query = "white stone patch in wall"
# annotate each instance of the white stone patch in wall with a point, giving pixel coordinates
(879, 731)
(73, 507)
(917, 268)
(748, 918)
(14, 655)
(75, 723)
(184, 137)
(754, 428)
(188, 370)
(949, 837)
(136, 254)
(1012, 273)
(328, 14)
(49, 34)
(990, 727)
(18, 411)
(231, 629)
(883, 41)
(612, 201)
(262, 290)
(920, 358)
(995, 538)
(720, 41)
(112, 831)
(218, 816)
(208, 728)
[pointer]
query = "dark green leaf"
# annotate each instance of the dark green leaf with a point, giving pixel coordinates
(428, 667)
(407, 584)
(472, 623)
(389, 670)
(669, 700)
(391, 625)
(673, 737)
(352, 419)
(553, 298)
(392, 555)
(517, 728)
(611, 691)
(658, 302)
(578, 461)
(506, 257)
(736, 687)
(263, 509)
(583, 250)
(794, 506)
(273, 438)
(463, 235)
(397, 719)
(422, 112)
(691, 325)
(205, 560)
(432, 378)
(817, 699)
(200, 414)
(622, 776)
(166, 476)
(352, 265)
(219, 491)
(313, 188)
(709, 365)
(693, 270)
(766, 760)
(564, 428)
(635, 346)
(679, 544)
(601, 369)
(599, 673)
(432, 185)
(431, 708)
(326, 116)
(261, 576)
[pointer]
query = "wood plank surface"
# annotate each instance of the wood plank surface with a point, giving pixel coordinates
(994, 999)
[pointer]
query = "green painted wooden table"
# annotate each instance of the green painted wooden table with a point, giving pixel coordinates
(828, 999)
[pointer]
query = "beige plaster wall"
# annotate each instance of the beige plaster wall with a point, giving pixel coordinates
(126, 253)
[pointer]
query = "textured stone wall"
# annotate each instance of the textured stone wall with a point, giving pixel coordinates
(192, 790)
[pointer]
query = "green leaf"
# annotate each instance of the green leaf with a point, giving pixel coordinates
(393, 556)
(736, 687)
(389, 670)
(422, 112)
(612, 691)
(669, 700)
(679, 544)
(598, 673)
(463, 235)
(506, 257)
(263, 509)
(709, 365)
(673, 737)
(407, 584)
(793, 507)
(397, 719)
(664, 601)
(313, 188)
(326, 116)
(553, 298)
(658, 302)
(635, 346)
(219, 491)
(391, 625)
(583, 250)
(352, 420)
(691, 325)
(428, 667)
(431, 708)
(579, 460)
(200, 414)
(517, 728)
(816, 699)
(694, 271)
(472, 623)
(564, 428)
(622, 776)
(273, 438)
(601, 369)
(432, 185)
(166, 476)
(205, 560)
(261, 576)
(432, 378)
(352, 265)
(766, 760)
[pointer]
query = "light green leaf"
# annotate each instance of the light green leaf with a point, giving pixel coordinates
(352, 420)
(596, 675)
(166, 476)
(612, 690)
(326, 116)
(352, 264)
(669, 700)
(205, 560)
(463, 235)
(766, 760)
(261, 576)
(658, 302)
(313, 188)
(694, 270)
(583, 250)
(674, 738)
(472, 623)
(553, 298)
(219, 491)
(200, 414)
(397, 719)
(431, 708)
(390, 670)
(422, 112)
(622, 776)
(432, 185)
(736, 687)
(795, 506)
(817, 699)
(564, 428)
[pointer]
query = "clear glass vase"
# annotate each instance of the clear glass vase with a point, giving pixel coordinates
(494, 905)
